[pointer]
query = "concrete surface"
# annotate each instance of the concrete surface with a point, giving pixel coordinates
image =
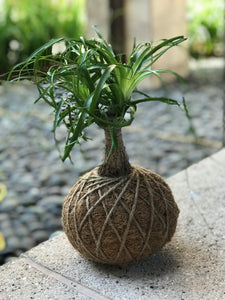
(191, 266)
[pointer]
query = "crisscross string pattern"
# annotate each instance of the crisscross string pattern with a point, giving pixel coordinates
(119, 220)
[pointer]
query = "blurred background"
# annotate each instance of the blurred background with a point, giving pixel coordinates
(25, 26)
(33, 180)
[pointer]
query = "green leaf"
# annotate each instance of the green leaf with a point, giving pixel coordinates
(99, 87)
(39, 51)
(57, 113)
(3, 191)
(148, 98)
(2, 242)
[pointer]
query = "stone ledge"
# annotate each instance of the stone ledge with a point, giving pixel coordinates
(191, 266)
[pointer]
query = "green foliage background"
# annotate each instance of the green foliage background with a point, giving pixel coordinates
(25, 25)
(206, 27)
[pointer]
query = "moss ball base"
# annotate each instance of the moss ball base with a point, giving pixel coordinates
(119, 220)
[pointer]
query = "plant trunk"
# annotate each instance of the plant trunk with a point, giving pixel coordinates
(117, 28)
(116, 162)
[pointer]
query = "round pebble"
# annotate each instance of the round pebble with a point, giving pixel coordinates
(8, 205)
(40, 236)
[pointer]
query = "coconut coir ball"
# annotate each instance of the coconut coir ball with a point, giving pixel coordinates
(119, 220)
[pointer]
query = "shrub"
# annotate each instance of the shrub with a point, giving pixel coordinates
(206, 28)
(26, 25)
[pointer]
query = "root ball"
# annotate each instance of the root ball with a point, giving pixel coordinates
(119, 220)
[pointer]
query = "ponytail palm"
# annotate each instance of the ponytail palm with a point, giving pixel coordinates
(117, 213)
(99, 85)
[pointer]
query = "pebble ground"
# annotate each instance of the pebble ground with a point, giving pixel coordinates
(159, 139)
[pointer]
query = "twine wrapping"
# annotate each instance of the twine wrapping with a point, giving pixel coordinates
(119, 220)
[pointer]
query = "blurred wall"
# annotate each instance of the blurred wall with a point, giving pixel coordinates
(157, 19)
(98, 14)
(147, 20)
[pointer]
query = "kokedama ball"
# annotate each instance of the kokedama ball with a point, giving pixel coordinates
(119, 220)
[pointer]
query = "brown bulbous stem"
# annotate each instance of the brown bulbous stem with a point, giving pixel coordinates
(116, 162)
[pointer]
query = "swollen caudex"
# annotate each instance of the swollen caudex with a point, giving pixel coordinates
(119, 220)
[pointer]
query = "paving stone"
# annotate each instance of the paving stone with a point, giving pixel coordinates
(37, 285)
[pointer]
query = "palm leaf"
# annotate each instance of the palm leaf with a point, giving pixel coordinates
(101, 86)
(148, 98)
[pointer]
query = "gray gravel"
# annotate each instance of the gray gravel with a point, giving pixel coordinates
(37, 181)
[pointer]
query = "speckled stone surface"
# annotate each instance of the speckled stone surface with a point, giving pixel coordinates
(191, 266)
